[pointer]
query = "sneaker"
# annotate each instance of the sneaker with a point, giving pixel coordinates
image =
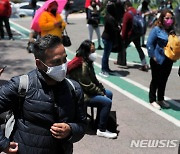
(99, 47)
(104, 74)
(106, 134)
(143, 45)
(11, 38)
(144, 68)
(156, 105)
(164, 104)
(123, 66)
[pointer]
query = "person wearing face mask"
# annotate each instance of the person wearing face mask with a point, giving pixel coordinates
(51, 120)
(93, 19)
(51, 22)
(169, 5)
(160, 64)
(81, 69)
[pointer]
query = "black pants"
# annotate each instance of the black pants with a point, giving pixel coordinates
(6, 23)
(160, 74)
(121, 59)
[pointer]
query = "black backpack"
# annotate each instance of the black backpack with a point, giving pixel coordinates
(138, 24)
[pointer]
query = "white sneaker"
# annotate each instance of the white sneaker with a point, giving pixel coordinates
(156, 105)
(104, 74)
(106, 134)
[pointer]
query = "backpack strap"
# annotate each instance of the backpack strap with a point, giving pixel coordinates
(72, 89)
(70, 82)
(10, 119)
(23, 85)
(131, 13)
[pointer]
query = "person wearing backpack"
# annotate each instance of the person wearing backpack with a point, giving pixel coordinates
(129, 35)
(146, 12)
(51, 118)
(5, 13)
(160, 64)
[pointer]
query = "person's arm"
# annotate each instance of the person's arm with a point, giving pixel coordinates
(73, 131)
(79, 127)
(63, 23)
(45, 23)
(126, 24)
(9, 9)
(85, 80)
(151, 42)
(8, 100)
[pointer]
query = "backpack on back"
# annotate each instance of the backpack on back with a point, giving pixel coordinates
(172, 49)
(10, 119)
(138, 24)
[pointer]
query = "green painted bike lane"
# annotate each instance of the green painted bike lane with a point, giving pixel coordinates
(24, 33)
(132, 55)
(174, 111)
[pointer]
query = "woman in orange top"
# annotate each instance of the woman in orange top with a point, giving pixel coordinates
(51, 22)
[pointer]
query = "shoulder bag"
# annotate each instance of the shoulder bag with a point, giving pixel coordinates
(66, 39)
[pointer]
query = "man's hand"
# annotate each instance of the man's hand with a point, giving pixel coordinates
(12, 148)
(60, 130)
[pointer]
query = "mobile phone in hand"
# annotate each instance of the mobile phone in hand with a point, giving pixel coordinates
(4, 68)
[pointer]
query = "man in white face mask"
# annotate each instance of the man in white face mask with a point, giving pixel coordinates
(52, 119)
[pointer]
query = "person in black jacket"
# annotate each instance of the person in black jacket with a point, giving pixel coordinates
(93, 19)
(51, 118)
(110, 36)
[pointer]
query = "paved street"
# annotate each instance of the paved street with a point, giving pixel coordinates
(137, 120)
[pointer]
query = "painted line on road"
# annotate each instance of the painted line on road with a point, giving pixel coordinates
(131, 91)
(20, 29)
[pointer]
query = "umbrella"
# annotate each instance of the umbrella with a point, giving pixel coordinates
(34, 23)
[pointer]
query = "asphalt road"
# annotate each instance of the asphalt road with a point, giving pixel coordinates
(138, 121)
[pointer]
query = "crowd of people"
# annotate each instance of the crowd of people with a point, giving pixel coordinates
(54, 111)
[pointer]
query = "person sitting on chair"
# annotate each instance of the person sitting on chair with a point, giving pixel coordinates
(81, 69)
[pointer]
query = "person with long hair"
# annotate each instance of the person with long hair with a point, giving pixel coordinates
(160, 64)
(110, 36)
(81, 69)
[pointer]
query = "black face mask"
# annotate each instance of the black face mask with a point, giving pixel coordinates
(53, 11)
(93, 5)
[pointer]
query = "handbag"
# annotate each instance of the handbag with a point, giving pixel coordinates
(66, 39)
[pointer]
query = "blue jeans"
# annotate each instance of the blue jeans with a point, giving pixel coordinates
(107, 51)
(103, 104)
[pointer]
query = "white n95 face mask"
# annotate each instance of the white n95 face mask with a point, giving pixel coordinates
(57, 73)
(93, 56)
